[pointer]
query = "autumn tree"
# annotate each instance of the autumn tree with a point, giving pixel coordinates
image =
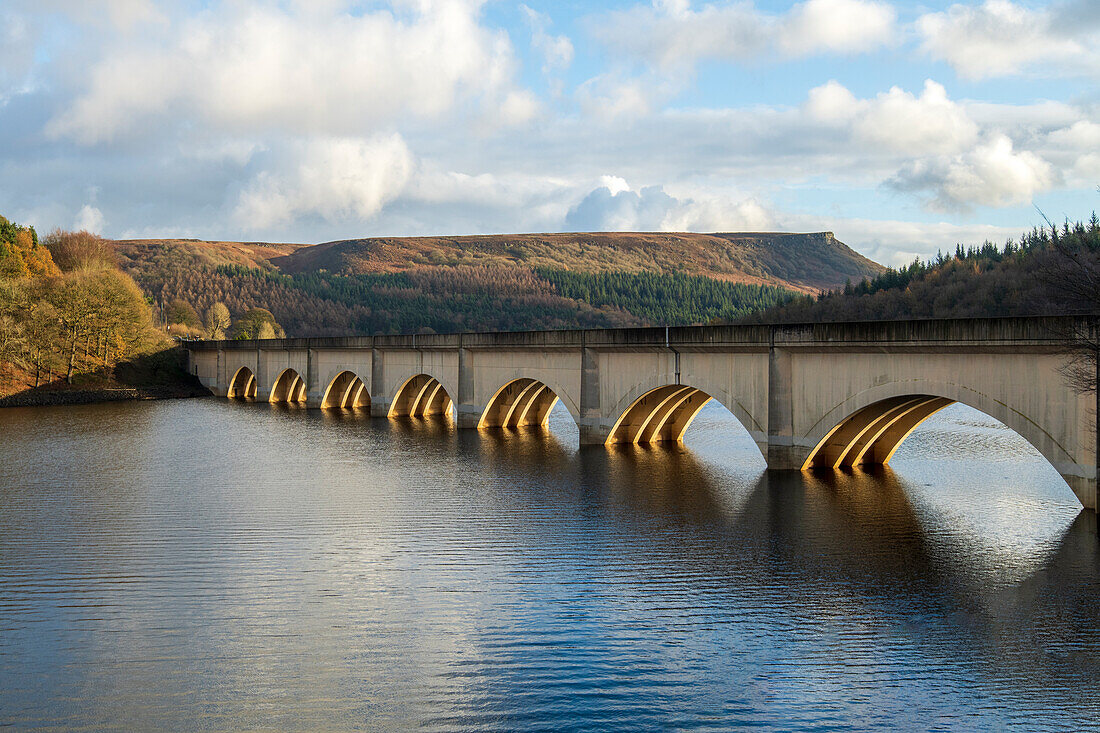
(181, 312)
(75, 304)
(80, 250)
(21, 254)
(216, 321)
(82, 316)
(13, 302)
(122, 319)
(257, 323)
(12, 337)
(11, 261)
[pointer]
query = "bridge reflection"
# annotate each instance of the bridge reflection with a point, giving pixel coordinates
(847, 549)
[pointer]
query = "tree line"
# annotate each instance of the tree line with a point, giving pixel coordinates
(674, 299)
(461, 298)
(68, 312)
(1051, 270)
(183, 321)
(65, 307)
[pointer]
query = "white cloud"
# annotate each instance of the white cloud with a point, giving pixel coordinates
(623, 211)
(1081, 135)
(896, 120)
(557, 51)
(336, 179)
(992, 174)
(263, 67)
(1002, 38)
(674, 34)
(280, 116)
(614, 206)
(1077, 149)
(614, 184)
(121, 14)
(836, 26)
(717, 214)
(900, 121)
(89, 218)
(610, 97)
(518, 108)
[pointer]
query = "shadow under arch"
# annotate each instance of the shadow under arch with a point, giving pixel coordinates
(243, 385)
(347, 391)
(872, 427)
(521, 402)
(289, 388)
(421, 396)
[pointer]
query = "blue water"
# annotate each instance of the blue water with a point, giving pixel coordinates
(205, 565)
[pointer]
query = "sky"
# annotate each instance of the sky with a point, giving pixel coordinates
(904, 128)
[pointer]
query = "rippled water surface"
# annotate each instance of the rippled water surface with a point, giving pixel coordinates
(208, 565)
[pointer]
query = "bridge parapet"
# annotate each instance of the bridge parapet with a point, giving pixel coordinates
(1049, 331)
(808, 394)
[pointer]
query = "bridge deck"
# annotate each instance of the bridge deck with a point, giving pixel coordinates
(1037, 330)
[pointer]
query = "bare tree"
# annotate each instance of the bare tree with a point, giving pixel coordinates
(1071, 274)
(80, 250)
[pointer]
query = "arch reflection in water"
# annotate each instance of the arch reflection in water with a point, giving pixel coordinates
(641, 588)
(243, 385)
(522, 450)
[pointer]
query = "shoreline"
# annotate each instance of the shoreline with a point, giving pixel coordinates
(62, 397)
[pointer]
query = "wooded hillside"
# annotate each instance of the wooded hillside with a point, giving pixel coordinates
(1048, 271)
(800, 262)
(513, 282)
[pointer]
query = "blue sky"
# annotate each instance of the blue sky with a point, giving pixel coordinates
(902, 127)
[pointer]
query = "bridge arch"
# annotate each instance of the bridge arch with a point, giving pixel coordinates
(663, 407)
(660, 415)
(868, 427)
(243, 385)
(523, 402)
(346, 390)
(289, 388)
(421, 395)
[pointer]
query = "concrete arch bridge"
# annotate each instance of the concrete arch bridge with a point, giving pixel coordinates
(821, 395)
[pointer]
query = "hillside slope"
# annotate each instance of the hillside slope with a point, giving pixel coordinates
(503, 282)
(802, 262)
(146, 255)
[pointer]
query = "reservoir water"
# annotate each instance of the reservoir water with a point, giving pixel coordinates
(208, 565)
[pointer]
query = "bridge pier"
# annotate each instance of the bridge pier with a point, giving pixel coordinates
(467, 411)
(782, 453)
